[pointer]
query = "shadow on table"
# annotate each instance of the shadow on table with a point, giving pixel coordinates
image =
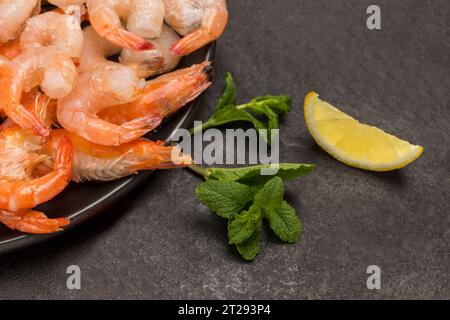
(396, 177)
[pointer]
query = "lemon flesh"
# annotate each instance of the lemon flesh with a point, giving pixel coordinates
(353, 143)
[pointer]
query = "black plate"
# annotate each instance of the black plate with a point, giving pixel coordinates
(80, 202)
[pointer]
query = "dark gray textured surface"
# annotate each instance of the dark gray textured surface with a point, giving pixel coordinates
(161, 243)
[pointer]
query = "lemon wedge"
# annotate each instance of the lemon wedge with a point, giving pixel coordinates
(353, 143)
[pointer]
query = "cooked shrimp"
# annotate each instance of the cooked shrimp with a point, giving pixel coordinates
(32, 222)
(102, 84)
(93, 162)
(48, 42)
(200, 21)
(13, 14)
(54, 72)
(62, 32)
(17, 195)
(144, 20)
(164, 95)
(153, 62)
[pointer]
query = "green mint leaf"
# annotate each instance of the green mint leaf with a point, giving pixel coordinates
(272, 107)
(230, 114)
(270, 196)
(226, 199)
(252, 175)
(269, 113)
(229, 94)
(279, 104)
(250, 248)
(244, 225)
(284, 222)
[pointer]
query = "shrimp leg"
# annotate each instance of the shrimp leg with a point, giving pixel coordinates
(214, 21)
(22, 195)
(32, 222)
(39, 105)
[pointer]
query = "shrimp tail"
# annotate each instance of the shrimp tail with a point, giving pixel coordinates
(64, 155)
(11, 87)
(191, 43)
(34, 222)
(126, 39)
(40, 105)
(213, 25)
(102, 21)
(26, 120)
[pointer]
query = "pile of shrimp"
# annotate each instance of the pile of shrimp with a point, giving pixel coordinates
(72, 113)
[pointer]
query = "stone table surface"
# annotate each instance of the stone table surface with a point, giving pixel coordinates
(160, 243)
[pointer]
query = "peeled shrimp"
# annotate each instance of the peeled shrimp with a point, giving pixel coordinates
(93, 162)
(164, 95)
(46, 29)
(48, 43)
(200, 21)
(62, 32)
(144, 20)
(153, 62)
(13, 14)
(55, 73)
(102, 84)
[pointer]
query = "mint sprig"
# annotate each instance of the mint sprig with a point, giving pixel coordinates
(247, 205)
(245, 197)
(270, 107)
